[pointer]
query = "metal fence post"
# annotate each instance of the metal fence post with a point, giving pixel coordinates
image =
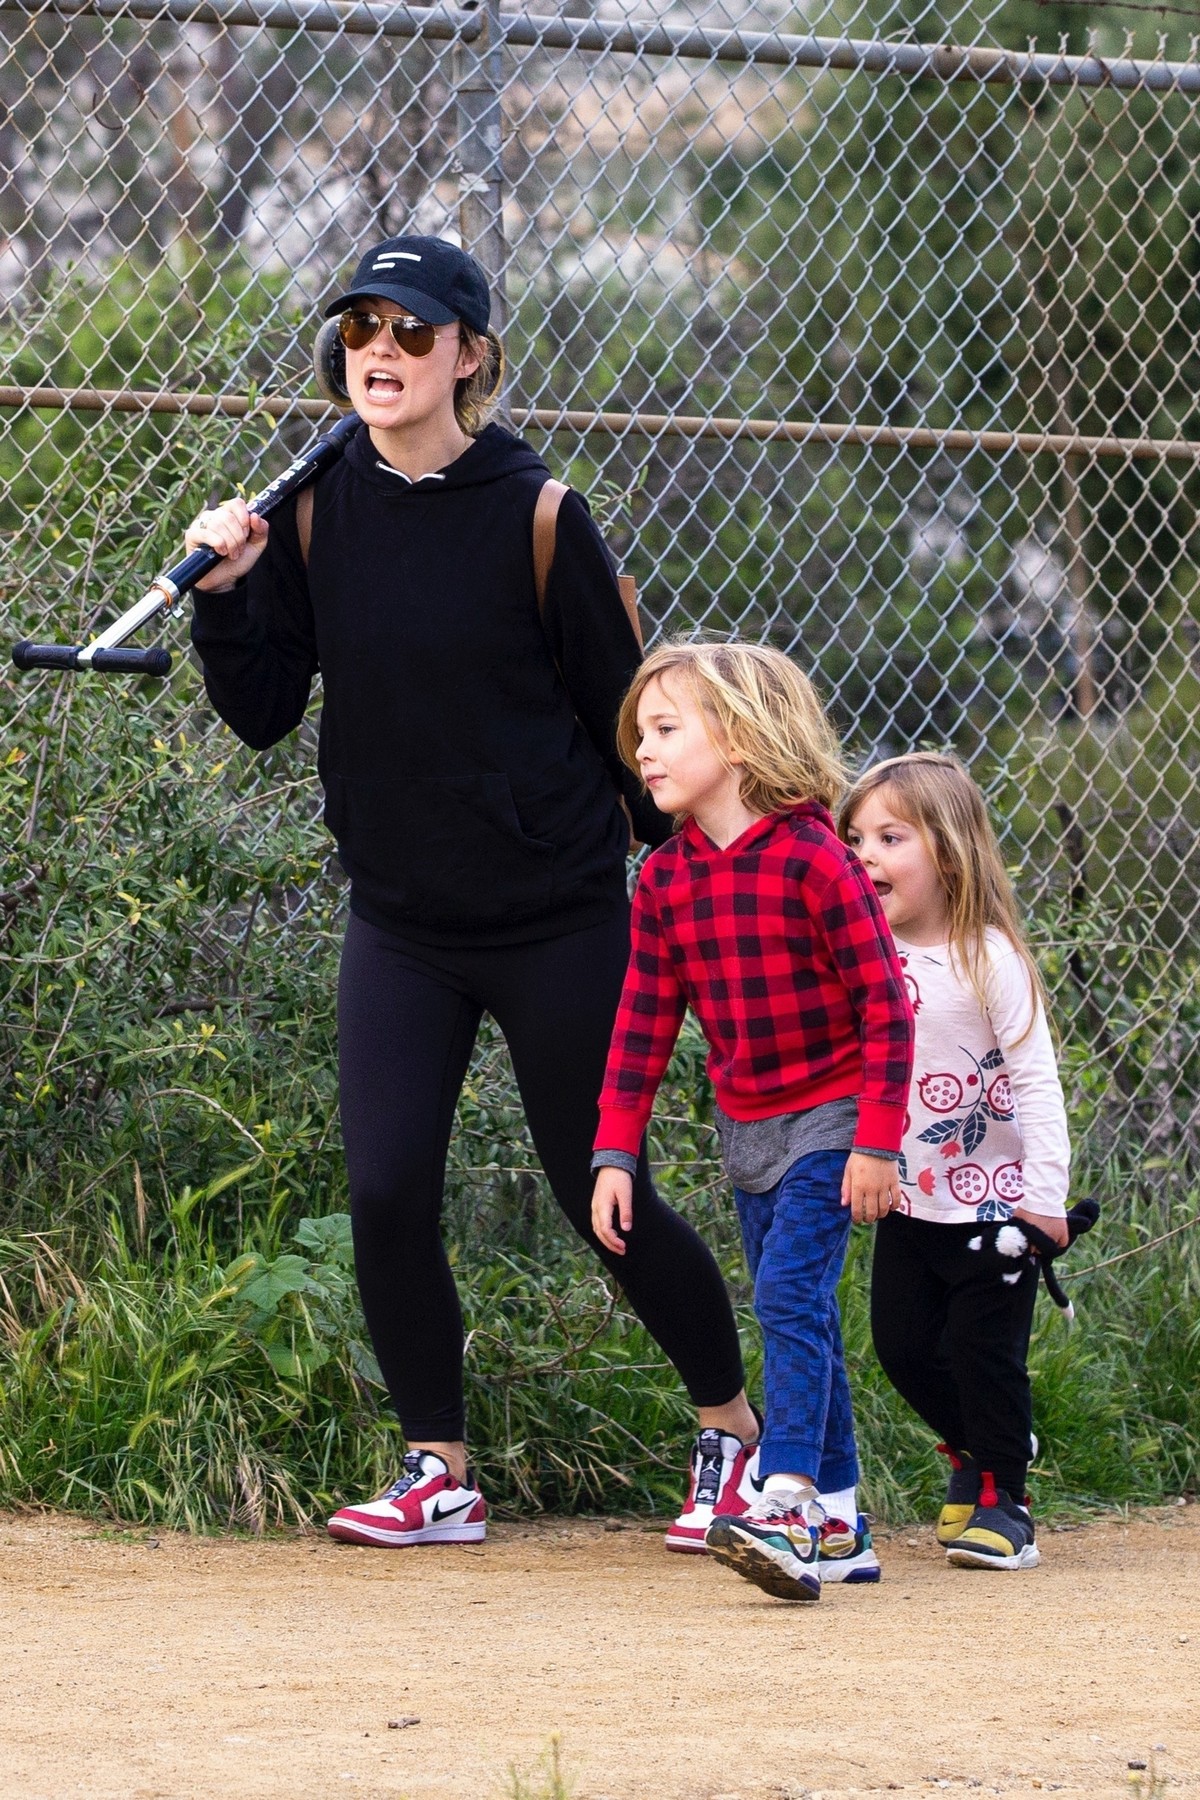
(478, 164)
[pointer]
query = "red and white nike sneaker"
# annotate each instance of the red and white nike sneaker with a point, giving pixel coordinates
(426, 1506)
(722, 1483)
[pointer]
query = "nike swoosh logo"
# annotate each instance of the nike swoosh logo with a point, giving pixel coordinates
(440, 1512)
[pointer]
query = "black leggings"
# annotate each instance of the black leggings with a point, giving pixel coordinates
(407, 1019)
(951, 1317)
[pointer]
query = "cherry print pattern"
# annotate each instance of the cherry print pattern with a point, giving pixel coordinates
(944, 1093)
(1000, 1097)
(969, 1184)
(962, 1142)
(940, 1093)
(1009, 1182)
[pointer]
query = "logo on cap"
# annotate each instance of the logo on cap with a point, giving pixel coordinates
(391, 256)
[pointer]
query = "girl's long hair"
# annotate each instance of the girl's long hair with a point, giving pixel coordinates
(763, 710)
(935, 795)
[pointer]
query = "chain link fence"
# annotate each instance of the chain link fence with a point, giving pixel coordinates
(884, 352)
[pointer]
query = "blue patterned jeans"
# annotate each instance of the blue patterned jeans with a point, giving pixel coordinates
(796, 1236)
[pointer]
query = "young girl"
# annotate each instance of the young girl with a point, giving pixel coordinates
(756, 916)
(985, 1146)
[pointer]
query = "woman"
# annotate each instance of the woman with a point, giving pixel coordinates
(473, 785)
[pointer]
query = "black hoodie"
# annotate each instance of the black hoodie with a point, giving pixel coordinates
(467, 753)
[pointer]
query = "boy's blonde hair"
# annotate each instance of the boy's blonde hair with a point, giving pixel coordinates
(762, 709)
(933, 793)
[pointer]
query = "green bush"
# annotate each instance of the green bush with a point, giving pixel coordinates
(174, 1389)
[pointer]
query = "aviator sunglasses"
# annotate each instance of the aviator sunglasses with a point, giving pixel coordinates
(359, 328)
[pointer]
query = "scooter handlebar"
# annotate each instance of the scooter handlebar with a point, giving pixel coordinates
(105, 652)
(27, 655)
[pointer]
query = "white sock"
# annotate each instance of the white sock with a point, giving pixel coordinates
(789, 1492)
(842, 1504)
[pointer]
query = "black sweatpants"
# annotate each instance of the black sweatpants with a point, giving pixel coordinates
(951, 1317)
(407, 1020)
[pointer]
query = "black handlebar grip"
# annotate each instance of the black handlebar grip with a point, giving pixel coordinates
(45, 656)
(132, 662)
(113, 662)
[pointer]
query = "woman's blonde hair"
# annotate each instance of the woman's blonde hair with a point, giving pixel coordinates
(475, 395)
(763, 710)
(934, 794)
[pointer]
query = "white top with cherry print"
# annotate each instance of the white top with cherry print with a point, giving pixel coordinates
(986, 1129)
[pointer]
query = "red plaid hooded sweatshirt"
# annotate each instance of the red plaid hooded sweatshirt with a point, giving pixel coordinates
(779, 945)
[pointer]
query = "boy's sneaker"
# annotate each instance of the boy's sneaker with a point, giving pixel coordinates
(426, 1506)
(846, 1554)
(962, 1496)
(773, 1546)
(998, 1535)
(722, 1480)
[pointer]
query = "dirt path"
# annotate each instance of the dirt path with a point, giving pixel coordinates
(185, 1667)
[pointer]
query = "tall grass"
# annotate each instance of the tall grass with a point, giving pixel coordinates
(178, 1387)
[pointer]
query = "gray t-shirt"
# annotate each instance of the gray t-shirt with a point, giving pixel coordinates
(759, 1152)
(756, 1153)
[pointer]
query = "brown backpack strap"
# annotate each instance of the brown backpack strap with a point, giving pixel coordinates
(304, 518)
(545, 529)
(627, 588)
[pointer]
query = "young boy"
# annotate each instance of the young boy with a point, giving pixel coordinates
(756, 916)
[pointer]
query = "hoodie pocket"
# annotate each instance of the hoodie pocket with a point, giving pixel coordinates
(447, 852)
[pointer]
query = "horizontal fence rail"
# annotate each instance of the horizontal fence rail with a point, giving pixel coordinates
(618, 424)
(638, 37)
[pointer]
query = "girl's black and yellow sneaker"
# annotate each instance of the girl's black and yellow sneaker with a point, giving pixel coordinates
(998, 1535)
(962, 1496)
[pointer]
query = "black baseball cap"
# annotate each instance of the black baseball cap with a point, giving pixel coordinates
(435, 280)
